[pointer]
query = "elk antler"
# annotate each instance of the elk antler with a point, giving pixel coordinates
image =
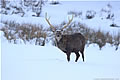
(47, 19)
(70, 20)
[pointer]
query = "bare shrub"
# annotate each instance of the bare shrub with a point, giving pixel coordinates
(116, 41)
(90, 14)
(92, 36)
(76, 14)
(55, 2)
(21, 7)
(26, 32)
(38, 35)
(100, 38)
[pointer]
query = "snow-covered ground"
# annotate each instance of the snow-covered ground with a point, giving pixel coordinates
(30, 62)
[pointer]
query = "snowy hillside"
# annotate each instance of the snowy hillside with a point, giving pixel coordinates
(59, 13)
(32, 62)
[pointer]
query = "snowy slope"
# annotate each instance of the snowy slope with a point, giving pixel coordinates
(29, 62)
(59, 13)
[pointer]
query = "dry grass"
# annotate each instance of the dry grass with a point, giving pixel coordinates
(25, 32)
(36, 34)
(92, 36)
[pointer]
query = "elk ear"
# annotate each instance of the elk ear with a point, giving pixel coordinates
(53, 29)
(62, 30)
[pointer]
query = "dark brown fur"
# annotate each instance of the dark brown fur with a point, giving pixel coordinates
(72, 43)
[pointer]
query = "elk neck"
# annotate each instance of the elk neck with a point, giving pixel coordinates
(58, 38)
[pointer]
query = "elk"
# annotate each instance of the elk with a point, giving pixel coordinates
(68, 43)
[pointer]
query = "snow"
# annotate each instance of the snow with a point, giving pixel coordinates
(59, 13)
(30, 62)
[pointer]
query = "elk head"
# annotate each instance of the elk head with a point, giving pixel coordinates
(58, 33)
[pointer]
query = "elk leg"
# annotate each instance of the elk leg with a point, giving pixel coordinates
(68, 56)
(77, 56)
(82, 55)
